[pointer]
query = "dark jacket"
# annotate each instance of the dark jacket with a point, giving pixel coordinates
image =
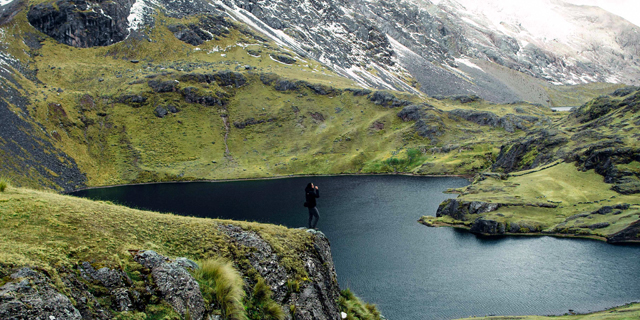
(310, 196)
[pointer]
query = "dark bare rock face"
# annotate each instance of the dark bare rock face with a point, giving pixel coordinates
(28, 149)
(230, 78)
(209, 27)
(631, 233)
(460, 209)
(83, 24)
(509, 123)
(538, 148)
(163, 86)
(193, 95)
(31, 295)
(388, 100)
(487, 227)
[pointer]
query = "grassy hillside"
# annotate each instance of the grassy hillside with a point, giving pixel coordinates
(99, 108)
(580, 178)
(57, 234)
(628, 312)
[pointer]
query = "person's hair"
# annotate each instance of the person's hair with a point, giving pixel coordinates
(309, 186)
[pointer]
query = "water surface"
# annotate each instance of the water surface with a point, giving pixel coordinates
(411, 271)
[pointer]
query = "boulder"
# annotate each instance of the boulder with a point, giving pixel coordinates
(175, 284)
(160, 112)
(163, 86)
(31, 295)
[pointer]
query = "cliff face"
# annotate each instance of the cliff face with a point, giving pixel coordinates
(83, 24)
(86, 291)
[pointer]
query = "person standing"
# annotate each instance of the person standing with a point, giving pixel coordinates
(311, 193)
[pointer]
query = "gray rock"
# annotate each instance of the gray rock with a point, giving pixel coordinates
(411, 113)
(80, 24)
(160, 112)
(173, 109)
(603, 210)
(107, 277)
(283, 58)
(316, 298)
(163, 86)
(488, 227)
(31, 295)
(388, 100)
(460, 209)
(122, 301)
(285, 85)
(599, 225)
(175, 284)
(230, 78)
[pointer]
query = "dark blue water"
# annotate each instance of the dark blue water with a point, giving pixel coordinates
(411, 271)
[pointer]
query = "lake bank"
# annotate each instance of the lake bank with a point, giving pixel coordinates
(381, 253)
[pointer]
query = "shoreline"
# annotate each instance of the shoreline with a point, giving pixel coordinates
(528, 234)
(467, 177)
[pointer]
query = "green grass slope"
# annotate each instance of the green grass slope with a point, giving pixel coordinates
(79, 100)
(580, 178)
(55, 233)
(628, 312)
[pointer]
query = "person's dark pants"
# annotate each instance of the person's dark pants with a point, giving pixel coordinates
(313, 212)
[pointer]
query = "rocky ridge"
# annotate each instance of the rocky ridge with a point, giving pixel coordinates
(435, 44)
(86, 292)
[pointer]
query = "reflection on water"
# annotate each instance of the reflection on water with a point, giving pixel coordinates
(409, 270)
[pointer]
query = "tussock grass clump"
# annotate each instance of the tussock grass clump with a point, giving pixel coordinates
(261, 305)
(356, 308)
(222, 285)
(4, 183)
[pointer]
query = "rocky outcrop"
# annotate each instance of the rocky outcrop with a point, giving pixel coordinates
(163, 86)
(28, 148)
(460, 210)
(208, 28)
(509, 123)
(82, 24)
(315, 299)
(251, 122)
(487, 227)
(193, 95)
(31, 295)
(132, 99)
(174, 282)
(388, 100)
(230, 78)
(630, 233)
(428, 124)
(536, 149)
(283, 58)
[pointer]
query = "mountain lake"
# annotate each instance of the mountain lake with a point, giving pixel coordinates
(409, 270)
